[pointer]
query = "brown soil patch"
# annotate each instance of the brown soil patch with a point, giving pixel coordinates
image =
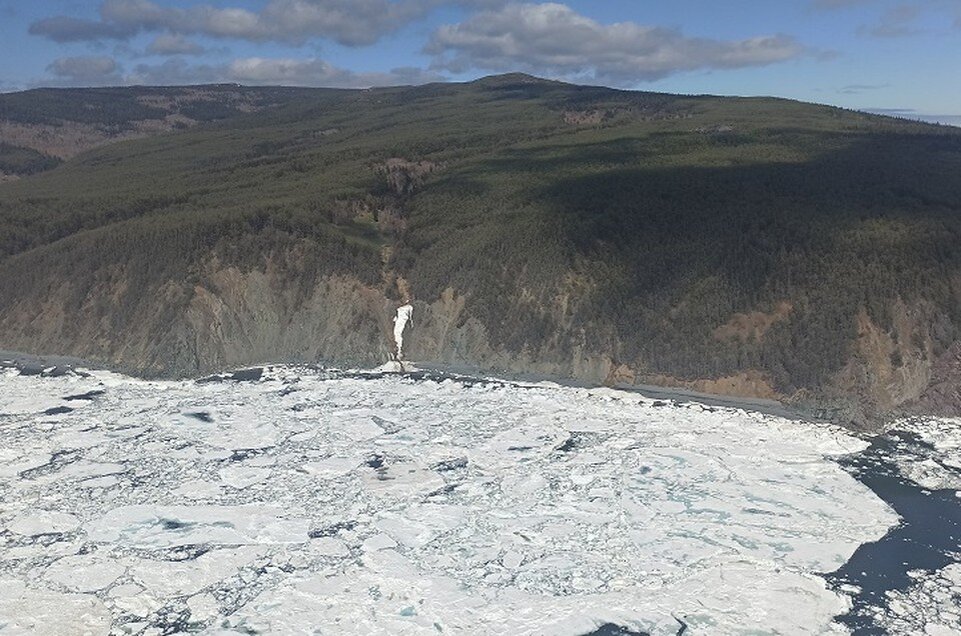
(752, 327)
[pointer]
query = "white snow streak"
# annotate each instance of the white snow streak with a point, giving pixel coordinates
(404, 313)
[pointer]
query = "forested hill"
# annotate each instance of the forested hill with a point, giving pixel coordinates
(747, 246)
(39, 128)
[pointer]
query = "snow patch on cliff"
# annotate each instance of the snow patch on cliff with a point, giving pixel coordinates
(401, 320)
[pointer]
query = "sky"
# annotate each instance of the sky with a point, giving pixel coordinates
(892, 56)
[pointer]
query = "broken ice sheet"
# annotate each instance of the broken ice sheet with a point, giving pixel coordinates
(386, 505)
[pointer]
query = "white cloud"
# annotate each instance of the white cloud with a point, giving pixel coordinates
(857, 89)
(85, 70)
(274, 71)
(348, 22)
(167, 44)
(837, 4)
(552, 38)
(895, 22)
(63, 28)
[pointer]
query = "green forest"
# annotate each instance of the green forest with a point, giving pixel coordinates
(656, 217)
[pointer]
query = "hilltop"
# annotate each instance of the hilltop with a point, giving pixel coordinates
(745, 246)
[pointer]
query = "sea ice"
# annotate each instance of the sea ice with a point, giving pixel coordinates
(936, 465)
(85, 572)
(389, 505)
(41, 522)
(153, 526)
(932, 606)
(31, 612)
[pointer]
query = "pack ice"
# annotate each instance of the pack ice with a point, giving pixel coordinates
(321, 502)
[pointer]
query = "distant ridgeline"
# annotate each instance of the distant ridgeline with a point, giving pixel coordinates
(744, 246)
(40, 128)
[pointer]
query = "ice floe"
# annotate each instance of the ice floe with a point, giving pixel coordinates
(932, 606)
(40, 612)
(938, 464)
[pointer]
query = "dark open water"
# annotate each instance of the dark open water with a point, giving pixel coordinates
(928, 538)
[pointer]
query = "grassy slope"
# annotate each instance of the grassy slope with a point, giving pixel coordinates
(636, 233)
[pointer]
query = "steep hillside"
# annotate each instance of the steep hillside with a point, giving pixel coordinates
(754, 247)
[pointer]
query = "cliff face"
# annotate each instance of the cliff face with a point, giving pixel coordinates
(229, 318)
(942, 396)
(225, 318)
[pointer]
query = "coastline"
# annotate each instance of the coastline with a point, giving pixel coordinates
(759, 405)
(36, 363)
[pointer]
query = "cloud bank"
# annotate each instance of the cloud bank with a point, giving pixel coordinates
(86, 70)
(347, 22)
(106, 71)
(553, 38)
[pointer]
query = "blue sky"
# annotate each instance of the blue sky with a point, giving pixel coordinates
(897, 55)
